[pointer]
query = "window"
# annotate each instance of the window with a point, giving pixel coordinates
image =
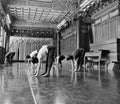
(2, 35)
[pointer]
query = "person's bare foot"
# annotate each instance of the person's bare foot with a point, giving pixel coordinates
(36, 75)
(46, 75)
(43, 73)
(76, 70)
(72, 69)
(34, 72)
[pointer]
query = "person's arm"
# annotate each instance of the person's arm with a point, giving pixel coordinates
(38, 68)
(72, 64)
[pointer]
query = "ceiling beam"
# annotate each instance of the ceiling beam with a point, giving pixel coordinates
(35, 14)
(22, 12)
(47, 1)
(41, 15)
(33, 24)
(34, 7)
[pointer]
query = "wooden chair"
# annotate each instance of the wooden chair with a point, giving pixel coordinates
(101, 56)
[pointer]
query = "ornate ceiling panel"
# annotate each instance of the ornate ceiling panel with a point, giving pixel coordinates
(41, 11)
(41, 0)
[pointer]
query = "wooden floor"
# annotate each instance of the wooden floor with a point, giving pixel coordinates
(19, 86)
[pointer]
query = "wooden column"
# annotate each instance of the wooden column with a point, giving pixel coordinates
(83, 40)
(7, 41)
(58, 43)
(2, 48)
(78, 33)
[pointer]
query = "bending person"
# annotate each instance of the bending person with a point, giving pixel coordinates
(70, 58)
(47, 54)
(78, 57)
(9, 57)
(59, 59)
(31, 55)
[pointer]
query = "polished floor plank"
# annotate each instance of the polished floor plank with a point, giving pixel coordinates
(77, 88)
(14, 86)
(20, 86)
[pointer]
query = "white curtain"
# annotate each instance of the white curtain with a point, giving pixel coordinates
(23, 46)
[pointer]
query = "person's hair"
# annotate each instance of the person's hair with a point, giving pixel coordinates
(61, 57)
(28, 56)
(34, 60)
(69, 57)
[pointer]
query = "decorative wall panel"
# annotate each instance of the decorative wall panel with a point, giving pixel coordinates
(33, 33)
(69, 44)
(113, 28)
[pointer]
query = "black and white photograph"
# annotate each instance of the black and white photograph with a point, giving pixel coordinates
(59, 51)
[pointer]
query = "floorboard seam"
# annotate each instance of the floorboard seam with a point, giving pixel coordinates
(31, 88)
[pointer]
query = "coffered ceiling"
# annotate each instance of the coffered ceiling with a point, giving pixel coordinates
(40, 13)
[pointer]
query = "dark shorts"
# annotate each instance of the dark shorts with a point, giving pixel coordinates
(79, 56)
(79, 53)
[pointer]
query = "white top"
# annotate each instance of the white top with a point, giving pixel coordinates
(42, 54)
(33, 53)
(57, 60)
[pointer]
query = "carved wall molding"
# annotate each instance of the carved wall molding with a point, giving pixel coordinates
(33, 33)
(107, 9)
(33, 24)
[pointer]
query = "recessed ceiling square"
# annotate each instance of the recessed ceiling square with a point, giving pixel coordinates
(42, 0)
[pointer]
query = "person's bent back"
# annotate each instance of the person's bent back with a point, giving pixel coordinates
(46, 54)
(9, 57)
(78, 56)
(59, 59)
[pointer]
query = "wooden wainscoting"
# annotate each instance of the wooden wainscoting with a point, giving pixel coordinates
(112, 45)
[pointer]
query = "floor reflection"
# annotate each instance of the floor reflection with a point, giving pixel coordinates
(14, 85)
(76, 88)
(19, 86)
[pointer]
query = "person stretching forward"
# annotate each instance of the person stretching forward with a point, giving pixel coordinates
(31, 55)
(9, 58)
(59, 59)
(77, 59)
(47, 53)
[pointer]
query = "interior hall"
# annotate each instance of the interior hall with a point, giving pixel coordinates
(59, 52)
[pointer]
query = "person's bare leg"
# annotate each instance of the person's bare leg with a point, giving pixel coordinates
(72, 64)
(46, 65)
(50, 61)
(75, 65)
(78, 64)
(31, 67)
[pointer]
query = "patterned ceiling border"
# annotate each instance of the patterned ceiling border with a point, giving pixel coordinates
(41, 1)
